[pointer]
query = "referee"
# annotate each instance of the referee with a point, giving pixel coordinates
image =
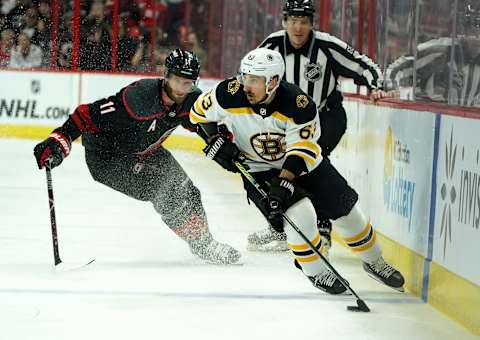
(314, 61)
(434, 67)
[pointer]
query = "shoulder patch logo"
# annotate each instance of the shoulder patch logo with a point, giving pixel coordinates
(233, 86)
(302, 101)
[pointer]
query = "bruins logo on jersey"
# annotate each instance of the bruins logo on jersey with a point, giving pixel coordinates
(233, 86)
(270, 147)
(302, 101)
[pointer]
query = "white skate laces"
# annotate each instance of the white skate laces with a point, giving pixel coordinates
(382, 268)
(385, 273)
(325, 278)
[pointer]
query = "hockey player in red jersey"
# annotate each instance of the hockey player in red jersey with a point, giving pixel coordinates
(123, 136)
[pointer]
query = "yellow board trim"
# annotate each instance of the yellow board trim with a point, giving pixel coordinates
(25, 131)
(185, 143)
(176, 142)
(454, 296)
(304, 246)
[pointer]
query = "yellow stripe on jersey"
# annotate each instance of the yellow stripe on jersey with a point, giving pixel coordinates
(199, 110)
(307, 145)
(279, 116)
(241, 111)
(305, 156)
(305, 246)
(195, 117)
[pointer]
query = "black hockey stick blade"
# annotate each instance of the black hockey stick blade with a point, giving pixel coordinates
(360, 307)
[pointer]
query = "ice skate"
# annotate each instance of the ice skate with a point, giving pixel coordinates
(328, 282)
(267, 240)
(384, 273)
(216, 252)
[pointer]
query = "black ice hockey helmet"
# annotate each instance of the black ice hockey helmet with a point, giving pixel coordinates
(183, 64)
(299, 8)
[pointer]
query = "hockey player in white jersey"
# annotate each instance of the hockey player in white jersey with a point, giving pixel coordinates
(314, 61)
(273, 126)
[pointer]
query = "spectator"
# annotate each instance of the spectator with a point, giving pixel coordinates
(195, 47)
(42, 36)
(26, 54)
(14, 11)
(95, 51)
(8, 6)
(160, 57)
(130, 50)
(65, 56)
(44, 22)
(7, 41)
(95, 18)
(29, 25)
(175, 19)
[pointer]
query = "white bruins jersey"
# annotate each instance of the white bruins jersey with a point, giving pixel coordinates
(316, 66)
(281, 134)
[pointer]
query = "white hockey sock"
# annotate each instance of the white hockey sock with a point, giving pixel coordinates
(303, 215)
(359, 234)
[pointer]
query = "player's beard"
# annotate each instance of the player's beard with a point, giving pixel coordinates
(172, 96)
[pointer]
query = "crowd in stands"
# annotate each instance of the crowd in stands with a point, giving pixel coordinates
(147, 30)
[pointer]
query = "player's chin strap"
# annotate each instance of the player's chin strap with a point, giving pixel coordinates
(361, 305)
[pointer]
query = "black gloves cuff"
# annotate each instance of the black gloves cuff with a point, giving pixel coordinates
(295, 164)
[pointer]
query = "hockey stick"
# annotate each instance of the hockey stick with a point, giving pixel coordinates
(361, 305)
(53, 223)
(53, 220)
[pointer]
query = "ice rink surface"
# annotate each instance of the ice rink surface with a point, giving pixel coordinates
(145, 284)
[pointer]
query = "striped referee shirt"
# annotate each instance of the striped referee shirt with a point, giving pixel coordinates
(433, 73)
(317, 65)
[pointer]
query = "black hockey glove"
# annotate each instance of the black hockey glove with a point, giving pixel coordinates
(53, 149)
(224, 152)
(279, 199)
